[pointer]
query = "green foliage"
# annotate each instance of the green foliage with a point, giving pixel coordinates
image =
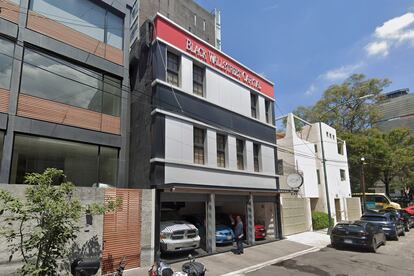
(342, 108)
(41, 228)
(320, 220)
(388, 156)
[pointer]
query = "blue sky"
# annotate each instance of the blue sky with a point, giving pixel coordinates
(305, 46)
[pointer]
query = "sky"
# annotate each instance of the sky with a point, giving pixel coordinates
(305, 46)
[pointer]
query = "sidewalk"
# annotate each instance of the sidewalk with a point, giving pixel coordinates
(257, 256)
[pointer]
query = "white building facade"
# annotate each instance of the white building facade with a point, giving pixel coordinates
(301, 152)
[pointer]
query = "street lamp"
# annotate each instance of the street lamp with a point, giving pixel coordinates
(328, 203)
(363, 183)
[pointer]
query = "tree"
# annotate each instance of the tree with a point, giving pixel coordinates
(342, 108)
(388, 156)
(41, 227)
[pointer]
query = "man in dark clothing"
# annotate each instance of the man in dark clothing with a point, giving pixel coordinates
(238, 232)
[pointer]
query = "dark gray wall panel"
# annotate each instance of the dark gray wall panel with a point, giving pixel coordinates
(211, 114)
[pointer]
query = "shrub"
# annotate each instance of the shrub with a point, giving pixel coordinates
(320, 220)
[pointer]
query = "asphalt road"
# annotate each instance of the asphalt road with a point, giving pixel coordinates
(395, 258)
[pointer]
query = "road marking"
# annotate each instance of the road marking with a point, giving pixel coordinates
(270, 262)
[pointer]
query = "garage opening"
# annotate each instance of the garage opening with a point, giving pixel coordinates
(265, 219)
(182, 226)
(227, 209)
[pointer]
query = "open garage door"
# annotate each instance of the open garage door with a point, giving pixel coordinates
(182, 226)
(295, 215)
(265, 218)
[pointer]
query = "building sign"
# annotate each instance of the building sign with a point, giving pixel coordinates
(185, 41)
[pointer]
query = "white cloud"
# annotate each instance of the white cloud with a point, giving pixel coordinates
(395, 26)
(391, 34)
(377, 48)
(340, 73)
(310, 90)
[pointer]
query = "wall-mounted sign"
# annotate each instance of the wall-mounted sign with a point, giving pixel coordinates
(294, 180)
(169, 32)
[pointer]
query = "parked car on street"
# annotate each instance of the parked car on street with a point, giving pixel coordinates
(388, 221)
(408, 219)
(177, 234)
(358, 234)
(403, 217)
(410, 209)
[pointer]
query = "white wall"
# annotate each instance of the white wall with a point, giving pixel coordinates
(221, 90)
(179, 154)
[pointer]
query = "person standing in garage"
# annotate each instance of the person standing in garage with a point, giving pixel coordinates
(238, 232)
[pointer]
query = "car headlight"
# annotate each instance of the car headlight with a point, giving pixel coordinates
(165, 235)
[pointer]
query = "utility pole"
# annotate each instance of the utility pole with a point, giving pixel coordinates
(328, 203)
(363, 184)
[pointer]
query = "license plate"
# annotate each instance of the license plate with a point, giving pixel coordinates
(348, 241)
(228, 238)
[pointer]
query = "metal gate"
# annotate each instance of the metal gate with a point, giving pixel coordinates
(294, 215)
(122, 230)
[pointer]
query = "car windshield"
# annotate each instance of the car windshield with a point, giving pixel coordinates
(374, 218)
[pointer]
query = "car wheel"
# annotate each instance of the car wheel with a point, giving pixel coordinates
(396, 238)
(402, 233)
(374, 246)
(407, 228)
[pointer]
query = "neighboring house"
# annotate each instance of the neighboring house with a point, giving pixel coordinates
(202, 133)
(397, 110)
(300, 152)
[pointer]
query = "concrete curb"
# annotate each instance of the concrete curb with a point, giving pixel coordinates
(267, 263)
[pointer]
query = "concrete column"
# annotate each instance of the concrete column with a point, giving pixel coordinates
(211, 224)
(250, 221)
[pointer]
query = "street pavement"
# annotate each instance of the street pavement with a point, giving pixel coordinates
(395, 258)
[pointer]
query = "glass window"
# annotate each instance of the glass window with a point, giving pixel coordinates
(268, 114)
(318, 175)
(111, 103)
(173, 66)
(57, 80)
(340, 148)
(221, 150)
(6, 62)
(108, 166)
(198, 80)
(79, 162)
(256, 156)
(114, 34)
(253, 105)
(199, 136)
(316, 148)
(83, 16)
(343, 176)
(240, 154)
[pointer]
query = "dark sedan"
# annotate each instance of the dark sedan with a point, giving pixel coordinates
(388, 221)
(357, 234)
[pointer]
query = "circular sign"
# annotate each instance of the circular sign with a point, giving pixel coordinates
(294, 180)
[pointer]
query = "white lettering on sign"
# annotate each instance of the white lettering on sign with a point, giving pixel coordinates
(222, 64)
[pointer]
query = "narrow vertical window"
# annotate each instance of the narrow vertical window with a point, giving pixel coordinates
(253, 105)
(256, 154)
(240, 154)
(204, 25)
(316, 148)
(268, 111)
(198, 80)
(195, 20)
(199, 137)
(221, 150)
(173, 66)
(318, 175)
(343, 176)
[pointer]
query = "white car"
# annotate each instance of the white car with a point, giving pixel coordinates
(178, 235)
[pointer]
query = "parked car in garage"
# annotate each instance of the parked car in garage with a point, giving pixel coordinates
(224, 233)
(388, 221)
(177, 234)
(358, 234)
(259, 229)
